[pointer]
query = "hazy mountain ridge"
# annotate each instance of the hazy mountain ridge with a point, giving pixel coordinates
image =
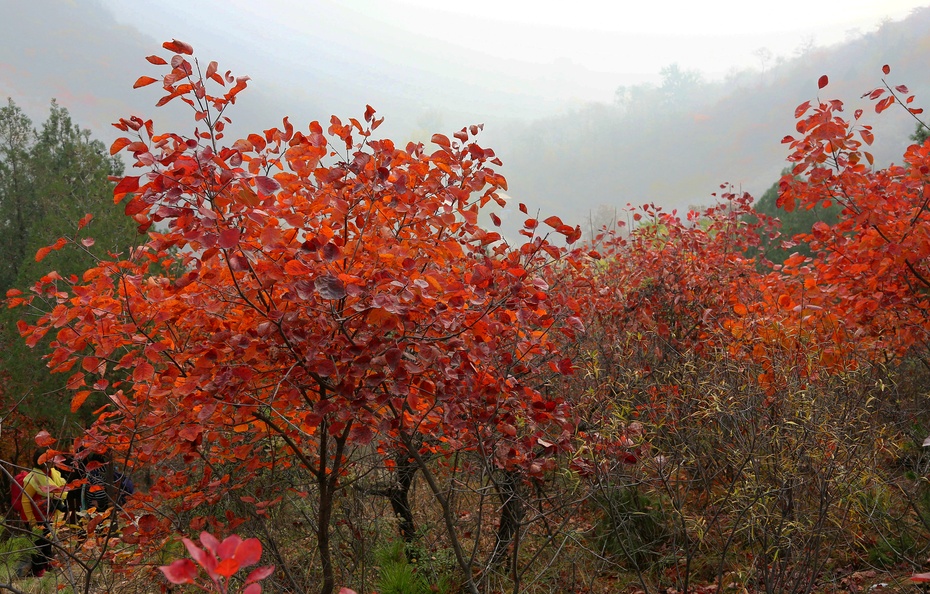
(573, 163)
(567, 164)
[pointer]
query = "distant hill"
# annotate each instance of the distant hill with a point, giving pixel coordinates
(678, 155)
(652, 146)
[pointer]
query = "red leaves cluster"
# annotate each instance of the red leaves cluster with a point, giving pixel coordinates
(308, 290)
(868, 284)
(220, 561)
(305, 287)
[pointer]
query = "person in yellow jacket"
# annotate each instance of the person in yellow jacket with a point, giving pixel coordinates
(43, 492)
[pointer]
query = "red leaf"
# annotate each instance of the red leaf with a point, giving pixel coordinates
(920, 577)
(330, 287)
(523, 208)
(393, 357)
(229, 238)
(884, 104)
(143, 372)
(886, 69)
(157, 60)
(143, 81)
(148, 523)
(42, 252)
(209, 541)
(331, 252)
(43, 439)
(496, 220)
(253, 589)
(800, 109)
(178, 47)
(130, 183)
(441, 139)
(118, 145)
(822, 81)
(259, 573)
(182, 571)
(249, 552)
(227, 548)
(867, 136)
(208, 562)
(554, 222)
(227, 567)
(266, 185)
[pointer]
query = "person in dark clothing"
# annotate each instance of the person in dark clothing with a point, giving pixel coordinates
(106, 484)
(74, 471)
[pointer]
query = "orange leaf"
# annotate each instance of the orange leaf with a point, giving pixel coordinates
(130, 183)
(79, 399)
(119, 144)
(440, 139)
(867, 136)
(143, 81)
(84, 220)
(43, 439)
(143, 372)
(296, 268)
(554, 222)
(178, 47)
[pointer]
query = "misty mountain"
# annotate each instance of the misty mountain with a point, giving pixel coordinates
(650, 147)
(672, 144)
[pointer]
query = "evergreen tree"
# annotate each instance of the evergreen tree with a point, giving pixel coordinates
(921, 134)
(17, 196)
(800, 220)
(49, 179)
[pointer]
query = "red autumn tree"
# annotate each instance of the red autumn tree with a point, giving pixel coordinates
(868, 287)
(303, 294)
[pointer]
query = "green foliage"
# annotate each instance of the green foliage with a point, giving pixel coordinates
(13, 552)
(921, 134)
(799, 220)
(634, 526)
(398, 575)
(49, 179)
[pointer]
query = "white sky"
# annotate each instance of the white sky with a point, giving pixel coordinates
(567, 52)
(626, 36)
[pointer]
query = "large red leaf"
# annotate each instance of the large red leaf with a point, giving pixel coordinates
(182, 571)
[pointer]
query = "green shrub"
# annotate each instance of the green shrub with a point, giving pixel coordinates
(405, 569)
(633, 526)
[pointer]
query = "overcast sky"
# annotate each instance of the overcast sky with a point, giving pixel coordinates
(616, 42)
(712, 35)
(528, 70)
